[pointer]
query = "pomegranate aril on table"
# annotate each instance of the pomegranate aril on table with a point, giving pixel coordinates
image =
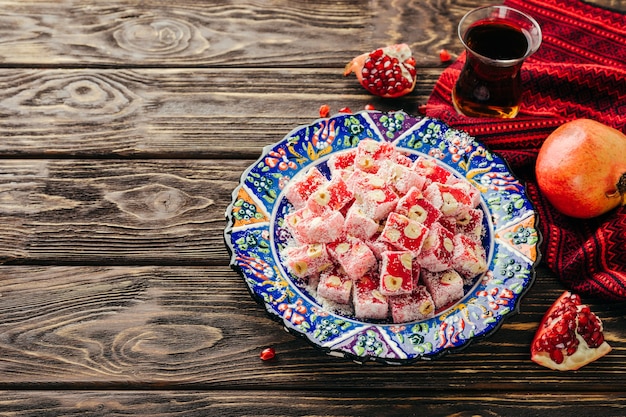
(267, 354)
(358, 242)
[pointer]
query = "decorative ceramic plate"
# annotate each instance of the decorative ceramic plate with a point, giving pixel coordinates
(256, 232)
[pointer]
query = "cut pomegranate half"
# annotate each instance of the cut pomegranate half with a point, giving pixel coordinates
(385, 72)
(569, 336)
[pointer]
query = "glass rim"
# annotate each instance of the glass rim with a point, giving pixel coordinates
(533, 44)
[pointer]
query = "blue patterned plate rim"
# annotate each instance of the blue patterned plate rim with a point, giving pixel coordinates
(254, 233)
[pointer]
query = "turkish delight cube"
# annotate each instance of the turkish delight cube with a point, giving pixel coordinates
(449, 223)
(306, 260)
(401, 177)
(445, 287)
(335, 286)
(368, 301)
(418, 305)
(300, 188)
(370, 152)
(378, 203)
(342, 163)
(332, 196)
(404, 233)
(359, 182)
(358, 224)
(296, 222)
(450, 199)
(379, 246)
(431, 170)
(414, 206)
(324, 229)
(470, 223)
(396, 273)
(470, 258)
(438, 248)
(471, 196)
(306, 227)
(354, 256)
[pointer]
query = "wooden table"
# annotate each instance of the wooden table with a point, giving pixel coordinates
(124, 127)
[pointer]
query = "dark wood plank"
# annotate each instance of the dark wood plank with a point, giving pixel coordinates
(305, 403)
(190, 33)
(172, 113)
(116, 212)
(166, 328)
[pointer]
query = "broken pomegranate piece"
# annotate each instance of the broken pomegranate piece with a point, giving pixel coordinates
(569, 336)
(386, 72)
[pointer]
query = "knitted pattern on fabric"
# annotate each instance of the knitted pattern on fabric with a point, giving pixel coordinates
(578, 72)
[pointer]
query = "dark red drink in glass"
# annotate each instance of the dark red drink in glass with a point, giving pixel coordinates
(497, 39)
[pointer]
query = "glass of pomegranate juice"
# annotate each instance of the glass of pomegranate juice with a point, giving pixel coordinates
(497, 39)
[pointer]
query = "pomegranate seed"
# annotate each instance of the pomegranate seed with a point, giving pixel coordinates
(557, 356)
(369, 107)
(267, 354)
(345, 110)
(444, 55)
(324, 110)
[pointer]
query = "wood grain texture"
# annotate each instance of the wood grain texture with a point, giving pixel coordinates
(221, 33)
(304, 404)
(116, 212)
(194, 113)
(175, 327)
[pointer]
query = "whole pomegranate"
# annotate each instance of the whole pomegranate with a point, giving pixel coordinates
(569, 336)
(581, 168)
(385, 72)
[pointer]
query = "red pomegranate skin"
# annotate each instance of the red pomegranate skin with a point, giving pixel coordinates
(581, 168)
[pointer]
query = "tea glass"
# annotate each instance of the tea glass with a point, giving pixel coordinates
(497, 40)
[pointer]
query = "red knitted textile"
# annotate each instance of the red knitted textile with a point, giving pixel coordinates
(578, 72)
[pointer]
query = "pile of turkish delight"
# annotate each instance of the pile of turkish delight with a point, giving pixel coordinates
(385, 237)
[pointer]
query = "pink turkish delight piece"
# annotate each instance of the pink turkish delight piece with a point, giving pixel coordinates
(449, 223)
(470, 258)
(470, 223)
(306, 227)
(379, 246)
(341, 163)
(414, 206)
(324, 229)
(360, 182)
(401, 177)
(396, 273)
(307, 260)
(437, 250)
(332, 196)
(400, 158)
(404, 233)
(354, 256)
(445, 287)
(471, 196)
(418, 305)
(370, 152)
(299, 189)
(359, 225)
(450, 199)
(431, 170)
(367, 299)
(378, 203)
(297, 224)
(335, 286)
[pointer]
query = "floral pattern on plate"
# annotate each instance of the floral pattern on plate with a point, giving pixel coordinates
(255, 235)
